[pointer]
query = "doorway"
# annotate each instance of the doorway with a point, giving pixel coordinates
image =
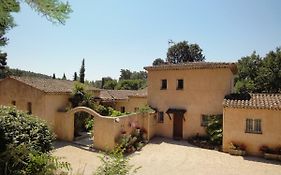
(177, 126)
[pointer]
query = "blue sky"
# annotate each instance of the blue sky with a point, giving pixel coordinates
(112, 34)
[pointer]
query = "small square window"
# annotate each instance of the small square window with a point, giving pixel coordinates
(14, 103)
(122, 109)
(163, 84)
(204, 120)
(161, 117)
(180, 84)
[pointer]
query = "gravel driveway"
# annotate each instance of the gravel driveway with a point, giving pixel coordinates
(166, 157)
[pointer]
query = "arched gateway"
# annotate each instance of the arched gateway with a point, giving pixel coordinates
(106, 129)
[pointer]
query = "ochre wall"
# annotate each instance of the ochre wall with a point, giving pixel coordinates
(234, 126)
(107, 130)
(44, 105)
(131, 103)
(12, 90)
(203, 93)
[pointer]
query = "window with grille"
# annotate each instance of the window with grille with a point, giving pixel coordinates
(253, 126)
(204, 120)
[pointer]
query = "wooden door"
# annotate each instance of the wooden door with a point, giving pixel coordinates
(177, 134)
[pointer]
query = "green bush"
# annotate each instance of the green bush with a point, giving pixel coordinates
(214, 129)
(145, 109)
(89, 124)
(25, 146)
(17, 128)
(134, 141)
(115, 163)
(20, 159)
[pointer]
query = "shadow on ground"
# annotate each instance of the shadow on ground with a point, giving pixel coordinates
(159, 140)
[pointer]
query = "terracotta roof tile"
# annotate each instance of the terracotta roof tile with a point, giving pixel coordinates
(49, 85)
(121, 94)
(194, 65)
(257, 101)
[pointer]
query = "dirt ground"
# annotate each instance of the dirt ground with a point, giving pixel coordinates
(166, 157)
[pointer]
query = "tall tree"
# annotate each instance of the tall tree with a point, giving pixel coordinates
(63, 77)
(259, 75)
(82, 72)
(248, 69)
(125, 74)
(269, 75)
(183, 52)
(54, 76)
(110, 84)
(75, 78)
(158, 61)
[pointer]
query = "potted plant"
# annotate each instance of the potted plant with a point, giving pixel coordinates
(269, 153)
(237, 149)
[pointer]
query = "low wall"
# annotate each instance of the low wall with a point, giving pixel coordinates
(106, 129)
(64, 126)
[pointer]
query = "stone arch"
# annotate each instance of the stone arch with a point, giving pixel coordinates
(104, 127)
(84, 109)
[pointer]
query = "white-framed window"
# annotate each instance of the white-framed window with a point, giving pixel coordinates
(160, 117)
(253, 126)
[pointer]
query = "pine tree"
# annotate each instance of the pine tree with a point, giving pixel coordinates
(82, 72)
(63, 77)
(54, 76)
(75, 76)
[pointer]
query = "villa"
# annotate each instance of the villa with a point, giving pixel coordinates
(182, 95)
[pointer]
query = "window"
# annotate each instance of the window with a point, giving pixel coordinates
(160, 117)
(14, 103)
(204, 120)
(180, 84)
(253, 126)
(122, 109)
(164, 84)
(29, 108)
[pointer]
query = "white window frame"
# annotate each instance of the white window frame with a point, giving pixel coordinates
(253, 125)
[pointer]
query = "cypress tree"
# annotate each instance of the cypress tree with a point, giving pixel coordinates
(75, 76)
(63, 77)
(82, 72)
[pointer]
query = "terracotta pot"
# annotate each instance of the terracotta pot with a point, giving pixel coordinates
(272, 156)
(237, 152)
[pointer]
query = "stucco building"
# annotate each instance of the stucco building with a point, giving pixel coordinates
(183, 93)
(254, 122)
(124, 100)
(45, 98)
